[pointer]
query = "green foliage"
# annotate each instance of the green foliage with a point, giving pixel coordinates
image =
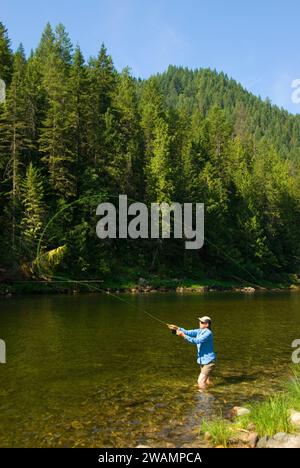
(33, 205)
(293, 389)
(46, 263)
(220, 431)
(6, 57)
(270, 416)
(72, 129)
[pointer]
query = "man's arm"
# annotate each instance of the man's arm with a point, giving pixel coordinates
(189, 333)
(191, 339)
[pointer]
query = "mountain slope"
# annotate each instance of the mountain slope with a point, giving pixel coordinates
(203, 88)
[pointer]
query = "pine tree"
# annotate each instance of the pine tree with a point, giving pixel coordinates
(77, 117)
(63, 44)
(13, 136)
(56, 134)
(32, 198)
(102, 84)
(46, 47)
(160, 171)
(6, 56)
(123, 135)
(35, 105)
(152, 109)
(158, 141)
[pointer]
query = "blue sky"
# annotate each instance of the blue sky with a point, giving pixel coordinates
(257, 43)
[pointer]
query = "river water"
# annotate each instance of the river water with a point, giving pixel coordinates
(92, 371)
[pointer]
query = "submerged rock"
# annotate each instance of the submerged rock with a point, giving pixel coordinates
(262, 443)
(248, 290)
(280, 440)
(244, 439)
(193, 444)
(240, 411)
(295, 418)
(253, 439)
(207, 437)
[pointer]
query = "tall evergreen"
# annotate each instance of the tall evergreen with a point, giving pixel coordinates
(14, 139)
(123, 133)
(102, 84)
(33, 217)
(56, 136)
(6, 56)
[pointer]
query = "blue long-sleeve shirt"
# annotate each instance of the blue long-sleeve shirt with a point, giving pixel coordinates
(203, 338)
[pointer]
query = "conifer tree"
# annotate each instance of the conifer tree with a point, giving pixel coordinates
(13, 137)
(6, 56)
(56, 134)
(102, 84)
(32, 198)
(123, 133)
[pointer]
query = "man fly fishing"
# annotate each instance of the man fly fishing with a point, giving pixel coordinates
(203, 338)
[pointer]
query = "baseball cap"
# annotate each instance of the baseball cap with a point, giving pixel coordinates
(205, 319)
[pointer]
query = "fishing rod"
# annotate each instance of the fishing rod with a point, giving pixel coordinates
(173, 331)
(153, 317)
(138, 308)
(39, 247)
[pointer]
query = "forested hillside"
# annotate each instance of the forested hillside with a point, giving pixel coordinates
(74, 128)
(248, 114)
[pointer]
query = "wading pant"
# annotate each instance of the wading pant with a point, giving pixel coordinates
(206, 370)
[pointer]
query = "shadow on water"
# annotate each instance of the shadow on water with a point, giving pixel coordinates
(237, 379)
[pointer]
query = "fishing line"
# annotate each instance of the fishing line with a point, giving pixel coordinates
(89, 286)
(80, 200)
(97, 197)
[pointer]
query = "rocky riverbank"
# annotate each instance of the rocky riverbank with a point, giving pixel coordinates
(140, 286)
(250, 438)
(229, 434)
(273, 423)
